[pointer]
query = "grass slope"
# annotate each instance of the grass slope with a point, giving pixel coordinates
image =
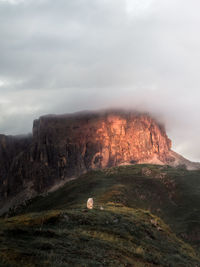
(57, 230)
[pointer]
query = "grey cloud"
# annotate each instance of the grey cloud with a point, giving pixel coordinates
(64, 56)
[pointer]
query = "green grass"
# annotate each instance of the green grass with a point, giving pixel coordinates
(115, 236)
(150, 218)
(172, 194)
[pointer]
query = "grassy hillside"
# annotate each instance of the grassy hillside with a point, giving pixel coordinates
(144, 215)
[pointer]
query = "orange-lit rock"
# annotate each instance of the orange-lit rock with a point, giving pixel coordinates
(97, 140)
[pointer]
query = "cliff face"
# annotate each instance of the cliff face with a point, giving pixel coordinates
(75, 144)
(65, 146)
(11, 148)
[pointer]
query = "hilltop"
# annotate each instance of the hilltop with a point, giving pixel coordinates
(144, 215)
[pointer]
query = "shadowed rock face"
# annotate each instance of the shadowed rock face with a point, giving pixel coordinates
(11, 148)
(65, 146)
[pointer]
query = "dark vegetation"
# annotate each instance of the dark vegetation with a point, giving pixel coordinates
(144, 215)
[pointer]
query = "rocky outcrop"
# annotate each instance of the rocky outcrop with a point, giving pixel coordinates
(73, 144)
(11, 148)
(62, 147)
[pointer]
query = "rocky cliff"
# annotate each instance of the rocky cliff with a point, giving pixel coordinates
(11, 148)
(62, 147)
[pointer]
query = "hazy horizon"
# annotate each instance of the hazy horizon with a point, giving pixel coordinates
(67, 56)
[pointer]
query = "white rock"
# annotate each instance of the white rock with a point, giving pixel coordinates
(90, 203)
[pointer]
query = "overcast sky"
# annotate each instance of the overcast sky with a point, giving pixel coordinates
(71, 55)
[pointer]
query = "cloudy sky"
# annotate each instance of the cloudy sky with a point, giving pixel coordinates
(65, 56)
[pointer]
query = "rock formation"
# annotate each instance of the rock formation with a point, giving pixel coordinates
(65, 146)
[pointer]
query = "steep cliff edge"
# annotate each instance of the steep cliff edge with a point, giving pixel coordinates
(65, 146)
